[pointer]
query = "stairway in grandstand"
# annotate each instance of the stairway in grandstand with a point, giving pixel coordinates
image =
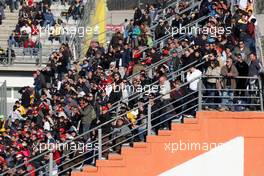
(184, 150)
(47, 46)
(8, 25)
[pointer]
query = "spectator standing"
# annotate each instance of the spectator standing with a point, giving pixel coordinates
(229, 72)
(243, 50)
(88, 115)
(242, 68)
(213, 83)
(137, 16)
(165, 89)
(193, 76)
(254, 70)
(13, 4)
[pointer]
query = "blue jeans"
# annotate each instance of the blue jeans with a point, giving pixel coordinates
(13, 5)
(227, 101)
(211, 100)
(141, 133)
(12, 42)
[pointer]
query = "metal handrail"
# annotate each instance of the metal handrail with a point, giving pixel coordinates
(181, 12)
(153, 26)
(144, 124)
(138, 95)
(165, 38)
(144, 104)
(87, 132)
(34, 158)
(153, 112)
(178, 73)
(151, 120)
(135, 108)
(42, 154)
(257, 96)
(164, 60)
(91, 38)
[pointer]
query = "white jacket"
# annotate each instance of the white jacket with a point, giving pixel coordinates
(165, 90)
(194, 76)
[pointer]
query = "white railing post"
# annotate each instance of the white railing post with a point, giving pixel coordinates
(200, 95)
(51, 164)
(100, 147)
(149, 120)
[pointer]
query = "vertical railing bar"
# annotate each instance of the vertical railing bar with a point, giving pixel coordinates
(149, 119)
(100, 147)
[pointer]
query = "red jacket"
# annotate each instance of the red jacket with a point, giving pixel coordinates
(31, 169)
(251, 29)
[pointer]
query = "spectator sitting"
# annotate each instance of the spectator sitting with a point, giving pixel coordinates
(55, 33)
(12, 40)
(29, 45)
(75, 10)
(34, 29)
(121, 132)
(26, 29)
(48, 19)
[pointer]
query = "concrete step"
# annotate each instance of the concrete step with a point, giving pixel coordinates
(5, 30)
(58, 7)
(10, 21)
(8, 26)
(20, 67)
(11, 14)
(3, 40)
(30, 59)
(5, 35)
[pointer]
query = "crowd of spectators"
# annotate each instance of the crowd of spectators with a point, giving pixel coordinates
(36, 19)
(70, 99)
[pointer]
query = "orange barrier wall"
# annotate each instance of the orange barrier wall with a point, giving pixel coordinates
(152, 158)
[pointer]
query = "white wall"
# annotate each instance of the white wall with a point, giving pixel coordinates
(224, 160)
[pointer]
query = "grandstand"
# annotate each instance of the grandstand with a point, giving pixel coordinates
(163, 87)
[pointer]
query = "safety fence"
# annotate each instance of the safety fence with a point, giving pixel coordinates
(219, 95)
(160, 113)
